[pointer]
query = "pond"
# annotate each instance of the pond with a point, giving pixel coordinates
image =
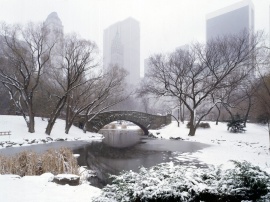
(129, 150)
(121, 150)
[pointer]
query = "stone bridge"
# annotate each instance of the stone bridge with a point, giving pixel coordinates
(143, 120)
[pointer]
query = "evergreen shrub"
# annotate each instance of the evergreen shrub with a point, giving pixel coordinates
(169, 182)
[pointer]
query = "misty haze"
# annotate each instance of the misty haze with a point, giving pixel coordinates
(133, 100)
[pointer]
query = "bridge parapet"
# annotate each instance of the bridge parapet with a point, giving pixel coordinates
(143, 120)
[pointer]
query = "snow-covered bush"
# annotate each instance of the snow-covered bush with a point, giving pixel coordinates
(201, 125)
(236, 125)
(204, 125)
(169, 182)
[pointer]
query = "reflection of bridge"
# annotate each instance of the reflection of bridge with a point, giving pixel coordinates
(143, 120)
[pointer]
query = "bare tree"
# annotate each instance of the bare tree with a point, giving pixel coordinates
(197, 76)
(109, 91)
(96, 96)
(25, 53)
(77, 60)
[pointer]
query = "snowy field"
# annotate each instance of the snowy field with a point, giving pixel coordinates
(17, 126)
(251, 146)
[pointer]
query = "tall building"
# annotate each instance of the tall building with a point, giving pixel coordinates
(54, 24)
(56, 31)
(233, 19)
(121, 46)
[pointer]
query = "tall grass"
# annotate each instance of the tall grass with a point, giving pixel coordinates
(30, 163)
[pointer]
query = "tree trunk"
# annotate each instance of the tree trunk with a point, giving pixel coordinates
(31, 124)
(49, 127)
(55, 114)
(31, 116)
(248, 110)
(182, 112)
(67, 128)
(217, 120)
(67, 115)
(268, 123)
(192, 129)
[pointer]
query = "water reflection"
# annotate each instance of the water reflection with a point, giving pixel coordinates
(129, 150)
(120, 138)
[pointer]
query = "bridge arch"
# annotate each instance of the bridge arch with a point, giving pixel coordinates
(143, 120)
(144, 129)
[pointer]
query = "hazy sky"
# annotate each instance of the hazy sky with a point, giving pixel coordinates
(165, 24)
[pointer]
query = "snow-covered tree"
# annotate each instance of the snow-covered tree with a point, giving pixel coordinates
(98, 94)
(24, 54)
(78, 59)
(198, 76)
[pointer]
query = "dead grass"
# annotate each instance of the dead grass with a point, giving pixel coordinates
(30, 163)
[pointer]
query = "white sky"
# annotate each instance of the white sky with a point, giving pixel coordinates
(165, 24)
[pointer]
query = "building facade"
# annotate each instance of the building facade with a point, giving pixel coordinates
(233, 19)
(121, 47)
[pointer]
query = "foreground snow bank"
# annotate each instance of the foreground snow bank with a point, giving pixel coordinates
(41, 189)
(251, 146)
(20, 136)
(168, 182)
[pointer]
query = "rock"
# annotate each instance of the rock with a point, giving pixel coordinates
(151, 135)
(8, 145)
(76, 155)
(69, 179)
(49, 139)
(32, 141)
(59, 139)
(176, 138)
(43, 140)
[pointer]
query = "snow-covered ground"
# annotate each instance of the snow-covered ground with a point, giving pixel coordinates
(17, 126)
(251, 146)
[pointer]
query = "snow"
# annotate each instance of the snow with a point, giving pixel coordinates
(251, 146)
(19, 131)
(39, 188)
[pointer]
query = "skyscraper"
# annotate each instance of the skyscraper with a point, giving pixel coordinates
(56, 31)
(121, 46)
(54, 23)
(55, 38)
(233, 19)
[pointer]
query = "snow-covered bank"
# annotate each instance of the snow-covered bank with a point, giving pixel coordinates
(39, 188)
(251, 146)
(20, 137)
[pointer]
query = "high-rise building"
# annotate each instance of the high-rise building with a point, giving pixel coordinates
(56, 31)
(55, 38)
(233, 19)
(121, 46)
(54, 24)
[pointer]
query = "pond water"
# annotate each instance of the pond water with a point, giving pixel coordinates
(121, 150)
(129, 150)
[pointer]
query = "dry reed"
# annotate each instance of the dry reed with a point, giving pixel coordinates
(30, 163)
